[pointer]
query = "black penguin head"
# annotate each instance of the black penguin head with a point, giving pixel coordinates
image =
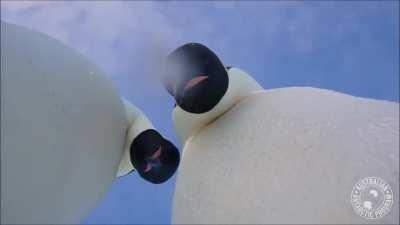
(155, 158)
(196, 78)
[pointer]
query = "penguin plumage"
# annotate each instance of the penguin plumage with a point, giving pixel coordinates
(146, 151)
(203, 87)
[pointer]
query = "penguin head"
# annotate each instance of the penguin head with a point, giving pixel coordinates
(196, 78)
(155, 158)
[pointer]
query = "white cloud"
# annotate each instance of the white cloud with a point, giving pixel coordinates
(129, 39)
(142, 33)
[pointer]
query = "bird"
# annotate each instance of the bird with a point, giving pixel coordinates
(145, 150)
(203, 88)
(254, 155)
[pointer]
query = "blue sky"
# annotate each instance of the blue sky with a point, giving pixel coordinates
(350, 47)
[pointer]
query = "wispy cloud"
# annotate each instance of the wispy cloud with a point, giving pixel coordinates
(150, 29)
(127, 40)
(130, 39)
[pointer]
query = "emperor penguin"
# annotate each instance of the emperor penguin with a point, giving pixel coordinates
(145, 150)
(203, 87)
(66, 133)
(278, 156)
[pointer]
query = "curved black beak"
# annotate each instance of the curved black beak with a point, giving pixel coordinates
(155, 158)
(195, 77)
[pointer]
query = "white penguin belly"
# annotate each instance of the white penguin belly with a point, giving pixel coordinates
(62, 130)
(187, 124)
(289, 155)
(137, 123)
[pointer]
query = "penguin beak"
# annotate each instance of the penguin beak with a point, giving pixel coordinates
(153, 161)
(194, 82)
(156, 154)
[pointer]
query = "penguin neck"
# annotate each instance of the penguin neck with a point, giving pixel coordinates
(137, 123)
(187, 124)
